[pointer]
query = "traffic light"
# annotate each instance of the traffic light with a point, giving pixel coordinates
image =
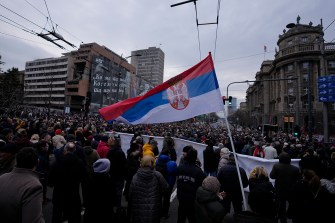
(296, 131)
(230, 98)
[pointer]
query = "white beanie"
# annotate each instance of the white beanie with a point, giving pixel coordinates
(101, 166)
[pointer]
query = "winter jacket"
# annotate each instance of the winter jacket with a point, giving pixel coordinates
(211, 159)
(208, 208)
(262, 197)
(229, 180)
(285, 176)
(21, 197)
(145, 195)
(189, 178)
(117, 157)
(99, 199)
(170, 169)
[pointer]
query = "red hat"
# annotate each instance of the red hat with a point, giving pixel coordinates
(58, 131)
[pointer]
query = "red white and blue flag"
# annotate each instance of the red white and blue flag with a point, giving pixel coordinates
(191, 93)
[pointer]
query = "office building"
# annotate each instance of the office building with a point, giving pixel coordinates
(150, 65)
(44, 82)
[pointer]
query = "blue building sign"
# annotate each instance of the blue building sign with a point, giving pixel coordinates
(326, 88)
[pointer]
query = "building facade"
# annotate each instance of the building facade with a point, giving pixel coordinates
(97, 78)
(82, 80)
(150, 65)
(286, 89)
(44, 82)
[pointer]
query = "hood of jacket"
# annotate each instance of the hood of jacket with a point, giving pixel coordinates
(205, 196)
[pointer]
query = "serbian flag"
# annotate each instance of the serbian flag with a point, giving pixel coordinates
(191, 93)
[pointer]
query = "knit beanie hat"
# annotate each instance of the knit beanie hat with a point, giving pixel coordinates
(211, 184)
(101, 166)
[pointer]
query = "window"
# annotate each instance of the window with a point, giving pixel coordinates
(331, 64)
(305, 65)
(304, 39)
(289, 67)
(305, 77)
(289, 43)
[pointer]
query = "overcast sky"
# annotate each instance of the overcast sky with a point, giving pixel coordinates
(245, 27)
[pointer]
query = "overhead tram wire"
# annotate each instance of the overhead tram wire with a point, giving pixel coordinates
(19, 26)
(57, 25)
(217, 26)
(22, 16)
(27, 39)
(196, 19)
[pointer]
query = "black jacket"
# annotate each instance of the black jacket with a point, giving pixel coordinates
(189, 178)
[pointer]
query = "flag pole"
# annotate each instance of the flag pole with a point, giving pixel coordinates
(235, 157)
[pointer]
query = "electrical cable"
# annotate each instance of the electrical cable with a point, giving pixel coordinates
(21, 16)
(24, 28)
(217, 26)
(196, 18)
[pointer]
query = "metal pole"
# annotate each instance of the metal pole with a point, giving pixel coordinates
(325, 104)
(309, 105)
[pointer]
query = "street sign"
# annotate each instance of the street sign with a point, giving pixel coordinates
(326, 88)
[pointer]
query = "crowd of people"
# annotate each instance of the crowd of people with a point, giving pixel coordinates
(89, 171)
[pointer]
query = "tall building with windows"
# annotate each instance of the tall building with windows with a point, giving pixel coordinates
(150, 65)
(82, 80)
(44, 82)
(286, 92)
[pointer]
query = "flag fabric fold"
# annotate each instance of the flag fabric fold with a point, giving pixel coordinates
(191, 93)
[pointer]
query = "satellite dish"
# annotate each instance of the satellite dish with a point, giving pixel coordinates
(290, 25)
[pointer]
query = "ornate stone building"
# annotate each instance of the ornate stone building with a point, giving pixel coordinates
(286, 89)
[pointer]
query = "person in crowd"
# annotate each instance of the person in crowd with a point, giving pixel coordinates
(269, 151)
(183, 158)
(168, 169)
(230, 183)
(154, 145)
(285, 176)
(168, 143)
(118, 168)
(7, 157)
(224, 157)
(189, 178)
(43, 166)
(259, 151)
(262, 195)
(21, 192)
(133, 164)
(208, 208)
(65, 176)
(147, 150)
(145, 193)
(311, 161)
(7, 135)
(21, 138)
(99, 197)
(58, 140)
(91, 156)
(211, 159)
(103, 146)
(310, 202)
(35, 138)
